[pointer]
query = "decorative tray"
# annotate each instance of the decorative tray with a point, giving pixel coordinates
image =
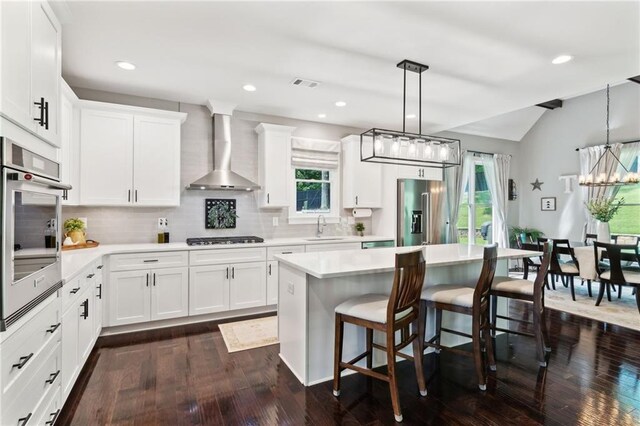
(88, 244)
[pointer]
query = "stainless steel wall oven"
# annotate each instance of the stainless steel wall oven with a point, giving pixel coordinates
(31, 213)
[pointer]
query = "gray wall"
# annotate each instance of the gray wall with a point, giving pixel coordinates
(548, 151)
(136, 225)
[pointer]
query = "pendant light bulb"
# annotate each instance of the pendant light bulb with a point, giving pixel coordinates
(443, 153)
(412, 150)
(395, 147)
(428, 152)
(378, 146)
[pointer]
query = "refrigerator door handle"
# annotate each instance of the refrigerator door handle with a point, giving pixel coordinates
(426, 218)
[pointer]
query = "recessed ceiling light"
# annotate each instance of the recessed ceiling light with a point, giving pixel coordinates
(410, 116)
(322, 115)
(249, 87)
(126, 65)
(562, 59)
(341, 103)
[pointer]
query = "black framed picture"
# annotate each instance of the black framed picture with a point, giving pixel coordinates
(220, 213)
(548, 204)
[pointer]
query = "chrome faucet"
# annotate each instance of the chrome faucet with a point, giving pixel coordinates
(319, 230)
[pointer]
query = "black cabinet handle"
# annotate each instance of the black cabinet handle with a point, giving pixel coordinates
(269, 269)
(147, 279)
(23, 361)
(356, 200)
(65, 195)
(268, 198)
(150, 260)
(75, 290)
(99, 295)
(136, 195)
(40, 105)
(129, 196)
(99, 266)
(24, 420)
(233, 272)
(286, 252)
(46, 115)
(154, 279)
(227, 272)
(85, 305)
(54, 417)
(52, 377)
(53, 328)
(91, 276)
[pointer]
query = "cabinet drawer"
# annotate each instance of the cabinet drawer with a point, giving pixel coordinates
(333, 247)
(217, 257)
(134, 261)
(71, 290)
(272, 251)
(23, 347)
(32, 392)
(49, 408)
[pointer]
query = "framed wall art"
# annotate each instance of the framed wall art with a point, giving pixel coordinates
(548, 204)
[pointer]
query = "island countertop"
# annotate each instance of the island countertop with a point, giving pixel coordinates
(359, 262)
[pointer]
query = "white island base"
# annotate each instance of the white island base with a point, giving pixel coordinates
(311, 285)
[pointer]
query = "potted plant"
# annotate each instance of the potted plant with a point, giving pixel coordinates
(603, 210)
(75, 229)
(360, 228)
(518, 233)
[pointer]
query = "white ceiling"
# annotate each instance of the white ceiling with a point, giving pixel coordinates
(486, 58)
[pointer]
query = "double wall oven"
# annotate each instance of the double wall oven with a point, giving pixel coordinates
(31, 213)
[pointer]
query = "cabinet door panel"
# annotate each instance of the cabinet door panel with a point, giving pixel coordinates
(45, 67)
(169, 293)
(85, 327)
(15, 48)
(156, 155)
(129, 297)
(272, 282)
(106, 158)
(98, 305)
(361, 181)
(273, 164)
(247, 287)
(208, 289)
(70, 349)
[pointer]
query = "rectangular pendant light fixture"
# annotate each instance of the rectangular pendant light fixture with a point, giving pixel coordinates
(406, 148)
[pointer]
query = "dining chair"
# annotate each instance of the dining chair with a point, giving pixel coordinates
(528, 291)
(616, 275)
(387, 314)
(566, 270)
(473, 301)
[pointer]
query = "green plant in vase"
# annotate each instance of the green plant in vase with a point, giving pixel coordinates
(360, 228)
(603, 210)
(75, 229)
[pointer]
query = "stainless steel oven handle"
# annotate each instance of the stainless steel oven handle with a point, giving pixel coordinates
(20, 176)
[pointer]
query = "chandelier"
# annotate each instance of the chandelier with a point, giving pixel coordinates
(613, 178)
(406, 148)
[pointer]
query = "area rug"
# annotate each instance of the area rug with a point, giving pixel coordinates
(250, 334)
(623, 311)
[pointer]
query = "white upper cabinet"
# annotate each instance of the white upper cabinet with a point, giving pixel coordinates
(69, 155)
(156, 161)
(31, 65)
(274, 144)
(361, 181)
(106, 157)
(129, 156)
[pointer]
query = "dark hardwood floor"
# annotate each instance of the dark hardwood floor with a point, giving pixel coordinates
(184, 376)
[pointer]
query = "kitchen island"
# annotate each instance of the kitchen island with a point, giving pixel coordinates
(311, 285)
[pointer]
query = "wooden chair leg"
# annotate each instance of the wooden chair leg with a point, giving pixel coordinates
(491, 355)
(418, 352)
(608, 287)
(589, 288)
(603, 284)
(477, 354)
(564, 280)
(526, 270)
(554, 278)
(546, 282)
(391, 371)
(637, 299)
(494, 315)
(538, 327)
(337, 357)
(573, 290)
(619, 291)
(369, 348)
(438, 328)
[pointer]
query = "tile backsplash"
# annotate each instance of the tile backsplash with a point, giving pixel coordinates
(111, 225)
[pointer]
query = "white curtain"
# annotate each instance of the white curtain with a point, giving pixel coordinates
(314, 153)
(628, 153)
(454, 182)
(496, 170)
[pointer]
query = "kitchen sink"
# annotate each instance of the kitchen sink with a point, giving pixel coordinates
(324, 239)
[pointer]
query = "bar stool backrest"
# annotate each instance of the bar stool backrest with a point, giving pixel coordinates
(615, 259)
(407, 286)
(481, 293)
(538, 285)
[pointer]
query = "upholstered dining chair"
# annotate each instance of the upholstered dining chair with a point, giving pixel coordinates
(567, 271)
(616, 275)
(529, 291)
(473, 301)
(387, 314)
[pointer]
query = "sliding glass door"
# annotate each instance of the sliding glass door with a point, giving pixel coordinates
(476, 213)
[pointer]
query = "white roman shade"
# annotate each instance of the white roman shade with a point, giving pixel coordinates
(315, 153)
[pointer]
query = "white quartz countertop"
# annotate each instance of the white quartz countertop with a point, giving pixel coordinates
(75, 260)
(359, 262)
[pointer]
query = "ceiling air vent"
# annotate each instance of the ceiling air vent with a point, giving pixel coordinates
(305, 83)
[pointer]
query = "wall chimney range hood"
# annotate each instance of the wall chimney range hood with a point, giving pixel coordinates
(222, 177)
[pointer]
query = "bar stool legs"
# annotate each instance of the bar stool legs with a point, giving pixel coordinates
(337, 357)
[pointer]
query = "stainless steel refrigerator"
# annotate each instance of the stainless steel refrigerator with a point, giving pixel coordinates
(422, 213)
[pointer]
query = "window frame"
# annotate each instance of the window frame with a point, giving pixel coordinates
(627, 204)
(308, 217)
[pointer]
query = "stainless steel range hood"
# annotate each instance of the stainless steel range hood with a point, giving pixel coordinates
(222, 177)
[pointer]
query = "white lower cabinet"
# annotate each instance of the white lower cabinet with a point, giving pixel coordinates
(70, 349)
(247, 286)
(208, 289)
(85, 313)
(272, 282)
(152, 294)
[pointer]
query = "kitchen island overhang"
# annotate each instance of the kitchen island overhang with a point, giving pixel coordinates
(311, 285)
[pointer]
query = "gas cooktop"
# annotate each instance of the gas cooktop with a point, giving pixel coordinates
(209, 241)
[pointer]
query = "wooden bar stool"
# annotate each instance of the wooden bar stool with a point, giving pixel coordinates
(387, 314)
(470, 301)
(529, 291)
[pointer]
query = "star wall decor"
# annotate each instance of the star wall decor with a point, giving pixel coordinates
(537, 185)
